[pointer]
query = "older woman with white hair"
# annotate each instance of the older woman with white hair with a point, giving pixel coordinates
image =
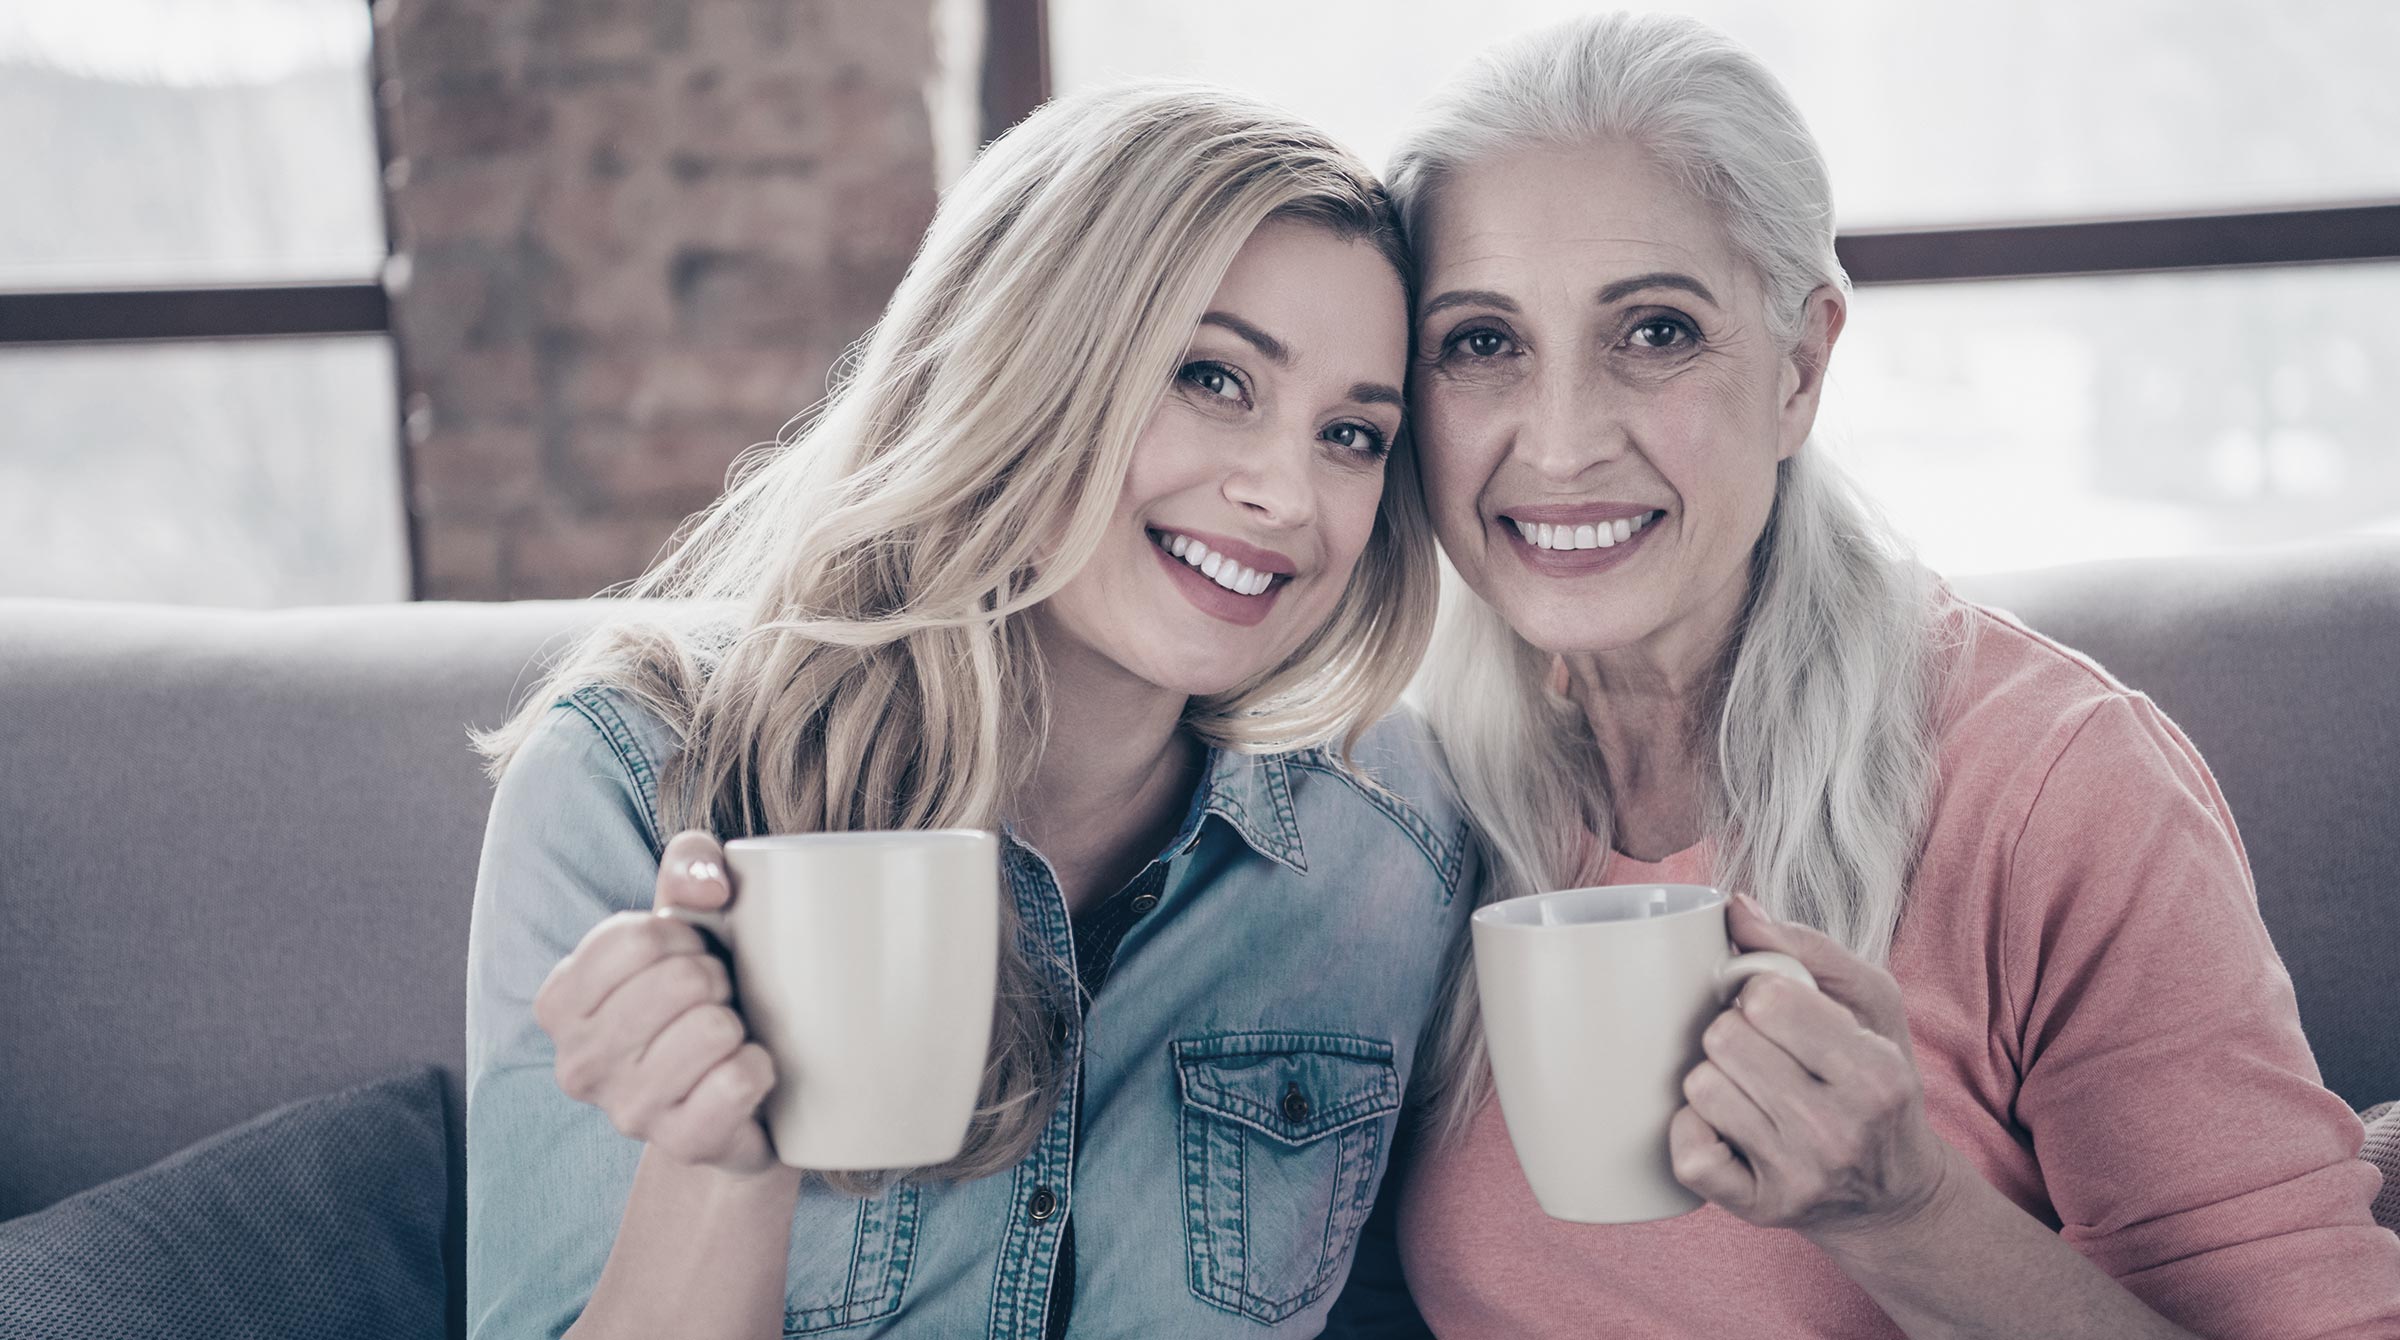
(2054, 1081)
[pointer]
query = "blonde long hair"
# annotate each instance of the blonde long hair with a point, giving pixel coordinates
(848, 651)
(1822, 720)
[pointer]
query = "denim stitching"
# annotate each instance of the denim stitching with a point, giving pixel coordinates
(1442, 856)
(1223, 1138)
(1018, 1280)
(595, 707)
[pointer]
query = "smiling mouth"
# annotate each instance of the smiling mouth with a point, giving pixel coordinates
(1583, 535)
(1234, 577)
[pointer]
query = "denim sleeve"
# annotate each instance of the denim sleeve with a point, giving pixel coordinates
(570, 841)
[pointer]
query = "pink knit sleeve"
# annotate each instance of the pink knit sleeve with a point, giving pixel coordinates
(2184, 1138)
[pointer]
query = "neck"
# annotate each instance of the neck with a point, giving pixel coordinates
(1650, 709)
(1114, 778)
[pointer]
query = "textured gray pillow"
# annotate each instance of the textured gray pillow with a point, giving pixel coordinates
(2383, 1150)
(321, 1218)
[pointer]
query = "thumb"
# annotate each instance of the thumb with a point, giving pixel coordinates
(692, 874)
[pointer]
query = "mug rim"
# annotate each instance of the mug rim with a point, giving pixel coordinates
(770, 843)
(1489, 916)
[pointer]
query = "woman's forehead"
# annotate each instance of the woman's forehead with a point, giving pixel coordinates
(1602, 208)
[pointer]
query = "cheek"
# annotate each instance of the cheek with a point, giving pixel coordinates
(1458, 448)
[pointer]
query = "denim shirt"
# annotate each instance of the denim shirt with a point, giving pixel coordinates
(1238, 1077)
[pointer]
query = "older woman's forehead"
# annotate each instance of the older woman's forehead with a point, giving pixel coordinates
(1598, 208)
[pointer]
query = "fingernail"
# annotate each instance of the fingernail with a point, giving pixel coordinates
(1750, 903)
(706, 871)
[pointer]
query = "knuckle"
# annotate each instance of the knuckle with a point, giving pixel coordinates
(575, 1076)
(1701, 1082)
(690, 977)
(756, 1066)
(722, 1028)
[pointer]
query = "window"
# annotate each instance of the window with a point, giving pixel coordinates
(180, 149)
(2025, 422)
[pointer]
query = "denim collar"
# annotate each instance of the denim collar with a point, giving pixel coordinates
(1252, 793)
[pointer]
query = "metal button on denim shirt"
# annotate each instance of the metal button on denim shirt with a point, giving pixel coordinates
(1238, 1075)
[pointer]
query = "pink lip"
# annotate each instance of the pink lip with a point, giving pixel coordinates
(1571, 562)
(1248, 555)
(1215, 600)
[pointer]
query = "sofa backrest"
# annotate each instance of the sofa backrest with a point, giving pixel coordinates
(237, 849)
(236, 855)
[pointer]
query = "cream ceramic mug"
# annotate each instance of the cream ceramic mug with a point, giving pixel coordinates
(865, 963)
(1593, 1005)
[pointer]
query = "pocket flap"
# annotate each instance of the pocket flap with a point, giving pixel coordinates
(1294, 1087)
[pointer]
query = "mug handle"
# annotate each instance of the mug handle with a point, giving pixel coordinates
(1742, 967)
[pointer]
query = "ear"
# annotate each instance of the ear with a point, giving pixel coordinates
(1803, 380)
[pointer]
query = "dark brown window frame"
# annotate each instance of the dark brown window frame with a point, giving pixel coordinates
(1016, 79)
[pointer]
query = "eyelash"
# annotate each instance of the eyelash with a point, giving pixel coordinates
(1691, 336)
(1378, 446)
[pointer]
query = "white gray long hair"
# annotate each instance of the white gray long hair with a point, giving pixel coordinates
(1822, 714)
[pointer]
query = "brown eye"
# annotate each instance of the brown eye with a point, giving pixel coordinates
(1483, 343)
(1661, 334)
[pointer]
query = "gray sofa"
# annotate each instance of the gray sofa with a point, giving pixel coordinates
(236, 849)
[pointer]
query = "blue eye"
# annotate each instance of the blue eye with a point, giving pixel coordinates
(1361, 438)
(1214, 379)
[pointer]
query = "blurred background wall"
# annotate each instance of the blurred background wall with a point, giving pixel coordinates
(324, 301)
(637, 233)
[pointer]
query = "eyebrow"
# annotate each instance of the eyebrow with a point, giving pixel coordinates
(1466, 297)
(1267, 344)
(1624, 288)
(1365, 393)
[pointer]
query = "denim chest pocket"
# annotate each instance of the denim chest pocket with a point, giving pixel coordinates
(1283, 1143)
(849, 1258)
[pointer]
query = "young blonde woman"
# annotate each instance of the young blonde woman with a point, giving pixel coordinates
(1110, 542)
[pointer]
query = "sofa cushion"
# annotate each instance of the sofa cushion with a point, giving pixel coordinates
(322, 1218)
(2383, 1150)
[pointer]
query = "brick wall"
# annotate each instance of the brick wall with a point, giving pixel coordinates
(636, 234)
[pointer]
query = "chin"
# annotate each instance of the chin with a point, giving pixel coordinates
(1568, 628)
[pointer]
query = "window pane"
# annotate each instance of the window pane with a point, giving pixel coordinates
(2015, 425)
(160, 141)
(1928, 113)
(224, 473)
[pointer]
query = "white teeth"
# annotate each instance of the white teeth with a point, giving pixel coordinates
(1215, 566)
(1595, 535)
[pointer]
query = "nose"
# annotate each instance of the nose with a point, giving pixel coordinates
(1271, 482)
(1570, 424)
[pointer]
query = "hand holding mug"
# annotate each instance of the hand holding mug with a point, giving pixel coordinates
(641, 1018)
(1808, 1112)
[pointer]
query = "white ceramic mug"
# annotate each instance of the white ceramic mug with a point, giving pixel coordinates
(865, 963)
(1593, 1004)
